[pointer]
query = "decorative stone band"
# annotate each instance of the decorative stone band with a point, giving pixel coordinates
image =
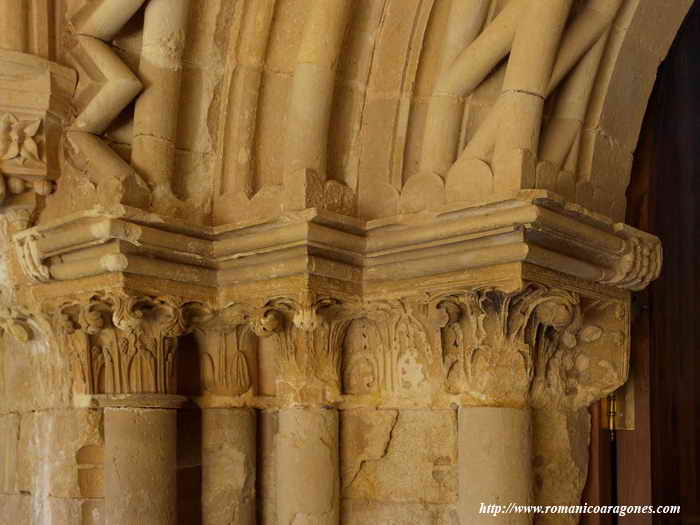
(472, 347)
(539, 345)
(122, 344)
(533, 229)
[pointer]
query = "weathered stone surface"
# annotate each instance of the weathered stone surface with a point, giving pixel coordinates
(228, 466)
(373, 215)
(16, 508)
(9, 450)
(405, 456)
(560, 461)
(267, 472)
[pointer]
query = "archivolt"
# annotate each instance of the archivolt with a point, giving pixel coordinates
(401, 99)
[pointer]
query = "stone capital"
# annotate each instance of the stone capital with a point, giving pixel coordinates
(309, 334)
(537, 346)
(122, 344)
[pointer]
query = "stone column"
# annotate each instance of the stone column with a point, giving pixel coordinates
(123, 352)
(308, 334)
(228, 466)
(506, 353)
(495, 463)
(228, 358)
(140, 459)
(308, 478)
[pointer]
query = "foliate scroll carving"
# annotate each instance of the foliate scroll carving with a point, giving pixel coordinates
(309, 335)
(121, 344)
(538, 345)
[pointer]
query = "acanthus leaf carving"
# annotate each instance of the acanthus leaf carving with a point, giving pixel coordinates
(533, 346)
(309, 335)
(389, 350)
(121, 344)
(227, 350)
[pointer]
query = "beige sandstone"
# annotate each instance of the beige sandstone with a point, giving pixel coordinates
(375, 247)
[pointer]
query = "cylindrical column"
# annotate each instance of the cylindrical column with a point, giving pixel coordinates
(228, 466)
(308, 480)
(140, 459)
(495, 464)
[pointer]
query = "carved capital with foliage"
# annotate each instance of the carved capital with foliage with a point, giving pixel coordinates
(308, 334)
(122, 344)
(538, 346)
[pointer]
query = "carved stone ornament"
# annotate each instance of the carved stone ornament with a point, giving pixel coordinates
(34, 104)
(309, 336)
(121, 344)
(538, 346)
(15, 322)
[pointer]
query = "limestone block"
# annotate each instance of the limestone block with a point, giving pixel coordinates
(283, 46)
(405, 456)
(269, 145)
(74, 511)
(35, 375)
(27, 453)
(652, 25)
(68, 447)
(140, 468)
(381, 115)
(495, 448)
(103, 19)
(627, 95)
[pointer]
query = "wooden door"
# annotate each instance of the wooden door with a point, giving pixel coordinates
(658, 462)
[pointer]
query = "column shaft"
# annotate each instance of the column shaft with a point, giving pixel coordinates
(140, 466)
(308, 480)
(495, 463)
(228, 466)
